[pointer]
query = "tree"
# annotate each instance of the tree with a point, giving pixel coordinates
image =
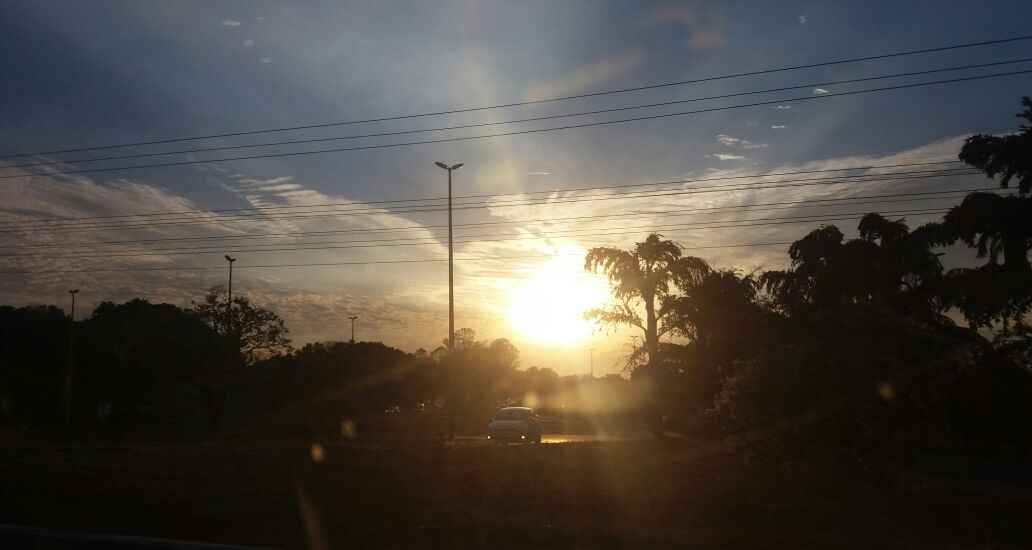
(889, 265)
(997, 227)
(645, 278)
(147, 364)
(253, 332)
(465, 338)
(1008, 156)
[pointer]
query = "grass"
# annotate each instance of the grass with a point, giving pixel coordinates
(587, 495)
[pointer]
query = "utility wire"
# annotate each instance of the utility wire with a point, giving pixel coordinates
(368, 262)
(758, 207)
(804, 182)
(528, 131)
(721, 224)
(518, 121)
(210, 212)
(902, 53)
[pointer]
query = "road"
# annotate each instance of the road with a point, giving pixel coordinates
(552, 439)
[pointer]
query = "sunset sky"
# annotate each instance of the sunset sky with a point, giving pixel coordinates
(83, 74)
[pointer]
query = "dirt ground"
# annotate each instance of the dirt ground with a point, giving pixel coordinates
(573, 494)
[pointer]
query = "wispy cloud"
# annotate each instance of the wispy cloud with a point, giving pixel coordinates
(586, 77)
(778, 126)
(249, 43)
(783, 107)
(266, 60)
(803, 19)
(728, 141)
(230, 23)
(539, 173)
(727, 156)
(705, 29)
(820, 91)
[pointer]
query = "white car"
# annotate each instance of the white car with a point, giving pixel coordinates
(515, 424)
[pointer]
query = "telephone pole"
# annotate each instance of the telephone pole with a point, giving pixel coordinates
(353, 317)
(451, 277)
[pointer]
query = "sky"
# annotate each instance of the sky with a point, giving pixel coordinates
(83, 74)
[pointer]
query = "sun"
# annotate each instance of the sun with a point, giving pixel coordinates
(549, 307)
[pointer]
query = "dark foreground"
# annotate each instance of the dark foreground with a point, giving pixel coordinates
(585, 495)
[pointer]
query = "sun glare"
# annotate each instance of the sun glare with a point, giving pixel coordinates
(549, 306)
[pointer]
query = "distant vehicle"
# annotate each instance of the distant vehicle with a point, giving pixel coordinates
(515, 424)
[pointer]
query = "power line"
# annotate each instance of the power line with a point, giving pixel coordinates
(485, 196)
(529, 131)
(903, 53)
(336, 264)
(803, 182)
(521, 120)
(391, 243)
(755, 207)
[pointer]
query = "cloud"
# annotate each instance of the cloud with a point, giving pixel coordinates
(248, 43)
(266, 60)
(539, 173)
(820, 91)
(778, 126)
(803, 19)
(230, 23)
(783, 107)
(408, 307)
(728, 141)
(705, 29)
(585, 77)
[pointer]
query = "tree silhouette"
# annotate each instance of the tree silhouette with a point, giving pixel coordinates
(147, 364)
(888, 265)
(996, 227)
(644, 278)
(1007, 156)
(254, 332)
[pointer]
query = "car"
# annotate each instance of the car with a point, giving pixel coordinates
(515, 424)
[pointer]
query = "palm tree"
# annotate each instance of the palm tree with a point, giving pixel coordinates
(644, 277)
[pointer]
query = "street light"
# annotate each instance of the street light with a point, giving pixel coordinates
(229, 298)
(451, 276)
(70, 367)
(353, 317)
(230, 259)
(73, 292)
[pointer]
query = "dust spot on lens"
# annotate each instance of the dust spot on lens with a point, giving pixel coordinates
(317, 452)
(348, 429)
(887, 391)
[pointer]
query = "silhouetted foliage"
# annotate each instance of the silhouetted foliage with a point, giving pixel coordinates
(33, 354)
(645, 277)
(997, 227)
(149, 366)
(888, 265)
(258, 333)
(1004, 156)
